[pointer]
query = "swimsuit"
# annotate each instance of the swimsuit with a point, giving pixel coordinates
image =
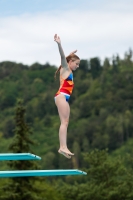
(66, 86)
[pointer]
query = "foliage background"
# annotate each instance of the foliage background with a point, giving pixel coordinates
(101, 118)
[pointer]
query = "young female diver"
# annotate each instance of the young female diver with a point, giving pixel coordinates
(68, 64)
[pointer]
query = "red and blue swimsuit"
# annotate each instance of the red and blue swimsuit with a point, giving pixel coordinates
(66, 86)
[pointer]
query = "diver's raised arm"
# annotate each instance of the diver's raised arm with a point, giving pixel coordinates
(63, 58)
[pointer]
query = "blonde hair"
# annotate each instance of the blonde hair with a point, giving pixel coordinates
(72, 57)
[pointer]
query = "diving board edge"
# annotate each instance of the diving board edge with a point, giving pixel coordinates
(28, 173)
(19, 156)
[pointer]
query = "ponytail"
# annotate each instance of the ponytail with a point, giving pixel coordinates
(57, 71)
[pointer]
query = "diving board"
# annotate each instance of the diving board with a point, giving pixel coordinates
(19, 156)
(24, 173)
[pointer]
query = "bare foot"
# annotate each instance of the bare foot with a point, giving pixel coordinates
(65, 150)
(64, 154)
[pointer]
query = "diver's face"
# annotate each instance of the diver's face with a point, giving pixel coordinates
(74, 64)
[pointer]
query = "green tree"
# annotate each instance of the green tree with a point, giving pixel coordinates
(21, 188)
(106, 64)
(107, 179)
(84, 65)
(95, 67)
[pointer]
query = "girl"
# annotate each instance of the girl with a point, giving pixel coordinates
(68, 64)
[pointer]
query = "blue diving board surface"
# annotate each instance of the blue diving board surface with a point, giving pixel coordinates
(18, 156)
(24, 173)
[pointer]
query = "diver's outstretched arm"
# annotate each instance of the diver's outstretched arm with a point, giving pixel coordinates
(63, 58)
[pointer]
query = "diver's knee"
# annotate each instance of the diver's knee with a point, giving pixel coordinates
(65, 122)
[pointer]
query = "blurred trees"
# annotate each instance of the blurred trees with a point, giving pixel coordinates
(106, 179)
(21, 187)
(101, 105)
(101, 117)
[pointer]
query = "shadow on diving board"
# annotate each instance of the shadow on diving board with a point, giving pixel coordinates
(24, 173)
(19, 156)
